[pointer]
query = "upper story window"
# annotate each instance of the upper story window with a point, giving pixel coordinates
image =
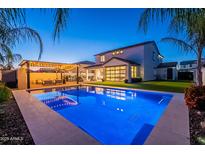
(117, 52)
(102, 58)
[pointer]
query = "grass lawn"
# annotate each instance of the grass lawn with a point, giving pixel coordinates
(169, 86)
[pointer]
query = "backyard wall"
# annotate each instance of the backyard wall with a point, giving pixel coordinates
(203, 75)
(0, 75)
(22, 78)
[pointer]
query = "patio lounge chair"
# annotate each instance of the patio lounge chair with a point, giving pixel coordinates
(58, 82)
(39, 81)
(47, 82)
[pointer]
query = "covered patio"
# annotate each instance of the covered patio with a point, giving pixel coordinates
(37, 74)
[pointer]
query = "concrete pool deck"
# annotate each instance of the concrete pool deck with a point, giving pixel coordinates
(173, 126)
(48, 127)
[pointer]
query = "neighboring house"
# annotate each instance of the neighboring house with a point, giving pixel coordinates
(188, 70)
(9, 77)
(138, 60)
(167, 71)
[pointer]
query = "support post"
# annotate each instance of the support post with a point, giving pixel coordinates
(28, 75)
(87, 73)
(77, 79)
(129, 73)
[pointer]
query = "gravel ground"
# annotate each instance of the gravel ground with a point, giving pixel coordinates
(13, 129)
(197, 125)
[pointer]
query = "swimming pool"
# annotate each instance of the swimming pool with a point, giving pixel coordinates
(110, 115)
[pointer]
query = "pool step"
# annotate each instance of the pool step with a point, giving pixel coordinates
(142, 135)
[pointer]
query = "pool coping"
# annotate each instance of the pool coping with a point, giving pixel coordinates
(48, 127)
(38, 117)
(173, 126)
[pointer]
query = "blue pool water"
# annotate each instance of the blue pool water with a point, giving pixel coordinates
(111, 116)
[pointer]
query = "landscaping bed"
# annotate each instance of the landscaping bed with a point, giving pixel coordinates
(195, 100)
(197, 128)
(13, 129)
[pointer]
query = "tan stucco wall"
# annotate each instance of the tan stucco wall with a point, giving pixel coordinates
(22, 78)
(0, 75)
(203, 75)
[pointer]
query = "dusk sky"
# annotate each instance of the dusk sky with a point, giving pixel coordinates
(91, 31)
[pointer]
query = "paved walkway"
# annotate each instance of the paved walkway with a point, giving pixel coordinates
(173, 126)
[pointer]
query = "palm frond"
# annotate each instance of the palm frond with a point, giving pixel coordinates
(182, 45)
(5, 50)
(162, 14)
(17, 58)
(60, 21)
(1, 58)
(12, 16)
(21, 34)
(7, 58)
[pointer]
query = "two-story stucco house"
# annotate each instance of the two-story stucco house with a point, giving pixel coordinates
(138, 60)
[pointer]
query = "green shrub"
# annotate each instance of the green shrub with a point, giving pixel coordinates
(195, 97)
(134, 80)
(5, 93)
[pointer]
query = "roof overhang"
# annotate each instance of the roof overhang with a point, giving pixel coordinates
(130, 46)
(120, 59)
(56, 65)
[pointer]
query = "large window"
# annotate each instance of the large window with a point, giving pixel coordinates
(115, 73)
(133, 71)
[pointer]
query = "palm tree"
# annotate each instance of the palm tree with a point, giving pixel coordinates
(11, 33)
(164, 14)
(9, 60)
(10, 37)
(189, 21)
(14, 16)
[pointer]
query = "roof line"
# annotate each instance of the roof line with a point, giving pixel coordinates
(25, 60)
(124, 60)
(138, 44)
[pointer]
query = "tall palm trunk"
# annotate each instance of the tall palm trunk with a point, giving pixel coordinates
(199, 66)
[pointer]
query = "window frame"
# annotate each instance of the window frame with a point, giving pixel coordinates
(102, 58)
(115, 73)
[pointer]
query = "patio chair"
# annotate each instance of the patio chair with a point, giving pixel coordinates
(47, 82)
(39, 82)
(58, 82)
